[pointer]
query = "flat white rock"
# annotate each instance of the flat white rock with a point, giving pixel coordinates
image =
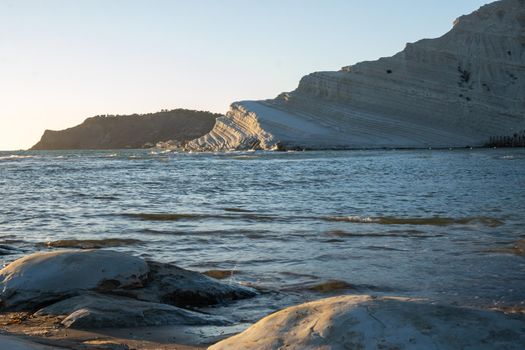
(364, 322)
(43, 277)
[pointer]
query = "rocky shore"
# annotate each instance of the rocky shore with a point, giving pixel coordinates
(103, 299)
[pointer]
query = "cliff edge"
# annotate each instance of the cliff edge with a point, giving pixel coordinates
(466, 88)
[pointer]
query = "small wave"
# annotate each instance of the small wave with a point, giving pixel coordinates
(353, 218)
(244, 157)
(91, 243)
(108, 198)
(375, 247)
(517, 248)
(167, 217)
(394, 233)
(432, 221)
(150, 231)
(197, 216)
(17, 156)
(510, 157)
(8, 250)
(237, 210)
(242, 214)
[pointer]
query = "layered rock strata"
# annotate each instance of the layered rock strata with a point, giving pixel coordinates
(466, 88)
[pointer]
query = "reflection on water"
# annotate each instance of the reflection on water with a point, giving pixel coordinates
(444, 225)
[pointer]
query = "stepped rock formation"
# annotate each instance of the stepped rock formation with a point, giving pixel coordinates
(130, 131)
(466, 88)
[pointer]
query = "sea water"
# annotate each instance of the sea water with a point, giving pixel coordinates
(443, 225)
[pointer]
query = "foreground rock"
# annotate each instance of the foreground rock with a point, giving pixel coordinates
(462, 89)
(130, 131)
(102, 311)
(102, 288)
(364, 322)
(41, 278)
(170, 284)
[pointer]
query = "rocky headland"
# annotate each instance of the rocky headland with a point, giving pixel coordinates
(130, 131)
(466, 88)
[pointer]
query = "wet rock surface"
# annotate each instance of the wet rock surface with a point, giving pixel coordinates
(364, 322)
(94, 310)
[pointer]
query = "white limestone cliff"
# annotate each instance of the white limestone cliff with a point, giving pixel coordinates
(457, 90)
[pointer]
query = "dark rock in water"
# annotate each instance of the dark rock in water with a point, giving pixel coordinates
(42, 278)
(331, 286)
(130, 131)
(219, 274)
(94, 310)
(91, 243)
(172, 285)
(365, 322)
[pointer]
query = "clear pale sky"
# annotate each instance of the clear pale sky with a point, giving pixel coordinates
(64, 61)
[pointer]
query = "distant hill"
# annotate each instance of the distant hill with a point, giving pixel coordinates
(130, 131)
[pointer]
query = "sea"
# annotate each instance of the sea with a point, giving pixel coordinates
(445, 226)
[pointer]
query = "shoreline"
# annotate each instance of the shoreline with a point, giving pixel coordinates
(283, 150)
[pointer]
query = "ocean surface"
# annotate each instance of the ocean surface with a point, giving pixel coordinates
(443, 225)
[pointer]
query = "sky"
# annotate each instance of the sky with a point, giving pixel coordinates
(62, 61)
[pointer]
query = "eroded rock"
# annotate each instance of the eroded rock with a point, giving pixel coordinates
(94, 310)
(364, 322)
(42, 278)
